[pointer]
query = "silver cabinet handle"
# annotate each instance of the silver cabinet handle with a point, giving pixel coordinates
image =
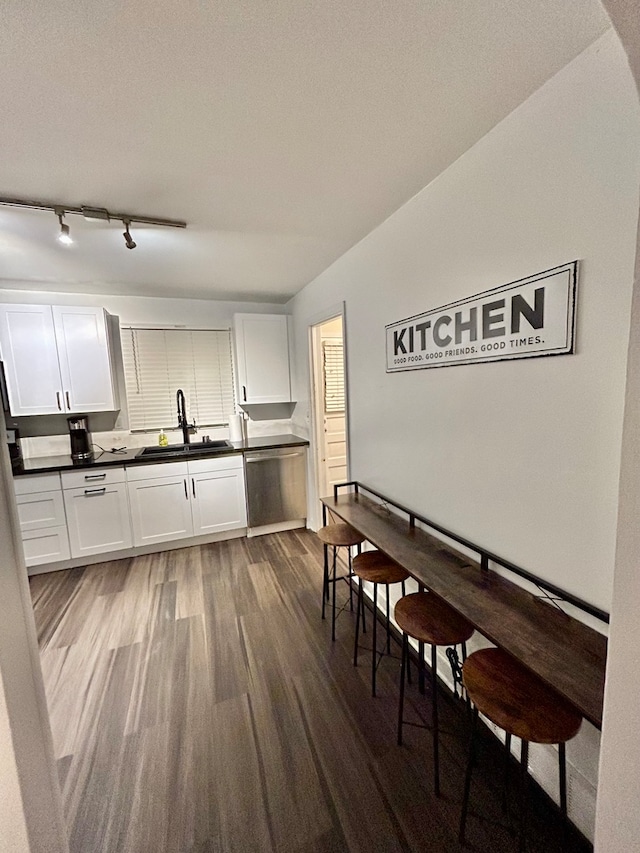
(58, 400)
(193, 486)
(95, 476)
(92, 492)
(186, 491)
(68, 401)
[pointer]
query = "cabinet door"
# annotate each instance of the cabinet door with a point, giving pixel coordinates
(28, 345)
(218, 501)
(85, 362)
(262, 349)
(160, 509)
(98, 519)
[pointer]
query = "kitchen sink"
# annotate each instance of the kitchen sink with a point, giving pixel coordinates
(178, 450)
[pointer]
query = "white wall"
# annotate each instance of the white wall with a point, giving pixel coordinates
(522, 457)
(30, 802)
(618, 815)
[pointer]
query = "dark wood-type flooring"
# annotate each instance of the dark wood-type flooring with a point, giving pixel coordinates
(198, 705)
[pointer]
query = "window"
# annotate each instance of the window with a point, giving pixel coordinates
(159, 361)
(333, 369)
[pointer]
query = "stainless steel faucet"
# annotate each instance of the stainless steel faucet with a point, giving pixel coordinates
(184, 425)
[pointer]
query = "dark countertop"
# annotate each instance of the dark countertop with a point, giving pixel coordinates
(48, 464)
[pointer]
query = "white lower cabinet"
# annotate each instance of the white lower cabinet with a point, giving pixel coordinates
(97, 511)
(217, 494)
(43, 525)
(160, 504)
(101, 510)
(179, 499)
(45, 546)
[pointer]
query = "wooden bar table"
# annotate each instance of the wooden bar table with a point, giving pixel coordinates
(564, 652)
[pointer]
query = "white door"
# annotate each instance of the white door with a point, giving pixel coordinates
(160, 509)
(329, 404)
(28, 348)
(98, 519)
(335, 449)
(218, 501)
(85, 364)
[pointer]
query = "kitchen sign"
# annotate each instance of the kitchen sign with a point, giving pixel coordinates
(531, 317)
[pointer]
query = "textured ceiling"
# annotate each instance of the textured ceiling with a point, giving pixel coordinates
(281, 131)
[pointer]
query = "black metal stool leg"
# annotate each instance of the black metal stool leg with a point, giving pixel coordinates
(467, 778)
(403, 666)
(505, 782)
(333, 618)
(325, 578)
(562, 766)
(524, 800)
(350, 575)
(421, 667)
(434, 720)
(359, 609)
(388, 623)
(374, 651)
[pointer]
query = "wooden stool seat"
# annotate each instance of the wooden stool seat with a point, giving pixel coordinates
(428, 619)
(517, 700)
(376, 567)
(521, 704)
(340, 535)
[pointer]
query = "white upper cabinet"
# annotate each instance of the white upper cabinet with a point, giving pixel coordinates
(262, 355)
(30, 356)
(57, 359)
(85, 360)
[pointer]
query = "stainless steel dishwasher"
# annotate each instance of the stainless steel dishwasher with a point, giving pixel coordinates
(276, 483)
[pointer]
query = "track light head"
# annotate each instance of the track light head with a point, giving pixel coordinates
(128, 239)
(64, 236)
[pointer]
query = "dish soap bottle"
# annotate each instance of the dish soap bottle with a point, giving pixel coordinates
(163, 439)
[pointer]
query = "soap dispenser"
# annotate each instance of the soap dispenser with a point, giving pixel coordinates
(163, 440)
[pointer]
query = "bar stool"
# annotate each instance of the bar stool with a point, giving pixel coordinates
(377, 568)
(338, 535)
(428, 619)
(521, 704)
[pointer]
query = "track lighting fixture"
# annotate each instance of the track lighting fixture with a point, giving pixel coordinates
(92, 214)
(64, 236)
(128, 240)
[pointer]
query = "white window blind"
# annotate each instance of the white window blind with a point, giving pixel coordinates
(333, 369)
(159, 361)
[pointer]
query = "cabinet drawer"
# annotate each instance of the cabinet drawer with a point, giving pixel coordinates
(45, 546)
(40, 511)
(92, 477)
(36, 483)
(159, 469)
(220, 463)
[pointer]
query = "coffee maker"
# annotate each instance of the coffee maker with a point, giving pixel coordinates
(80, 438)
(15, 451)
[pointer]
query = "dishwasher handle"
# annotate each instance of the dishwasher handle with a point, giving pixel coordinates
(267, 457)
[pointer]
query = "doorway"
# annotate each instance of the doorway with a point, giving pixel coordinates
(329, 404)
